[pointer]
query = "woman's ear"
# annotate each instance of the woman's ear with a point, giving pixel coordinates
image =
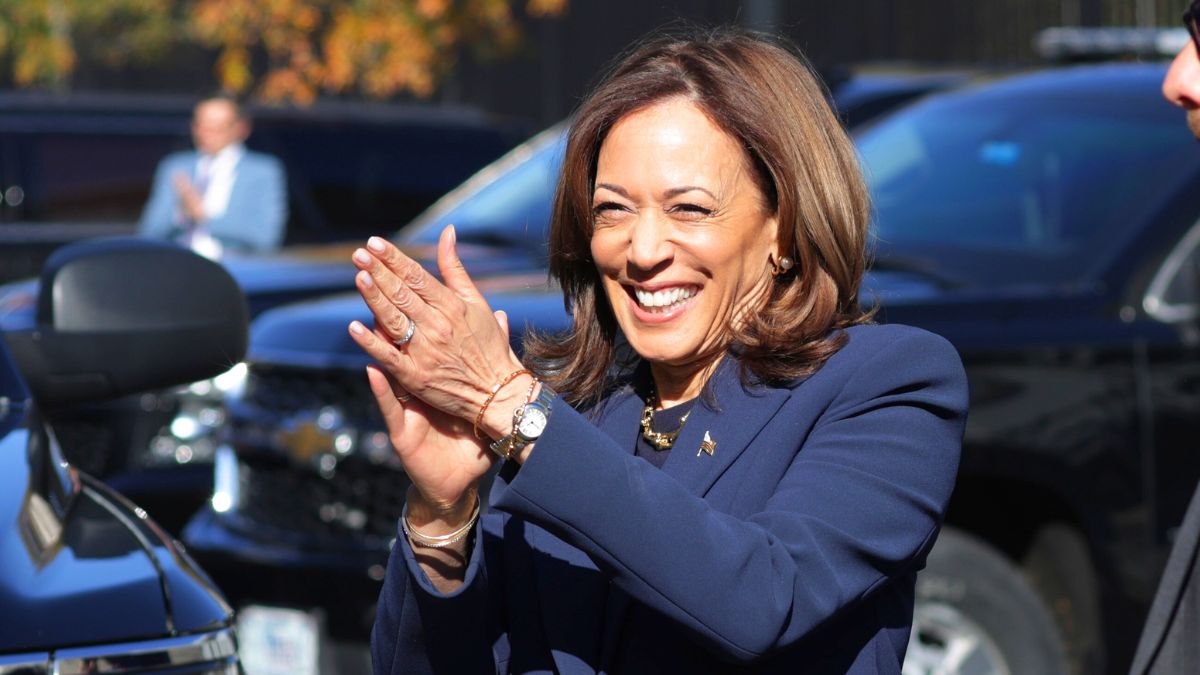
(782, 258)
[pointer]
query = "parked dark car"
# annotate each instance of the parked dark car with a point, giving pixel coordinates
(1043, 223)
(88, 582)
(81, 165)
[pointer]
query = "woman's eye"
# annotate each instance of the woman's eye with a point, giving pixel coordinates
(605, 210)
(691, 210)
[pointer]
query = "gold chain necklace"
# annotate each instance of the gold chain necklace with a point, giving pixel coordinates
(661, 440)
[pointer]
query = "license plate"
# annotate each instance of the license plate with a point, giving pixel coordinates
(278, 641)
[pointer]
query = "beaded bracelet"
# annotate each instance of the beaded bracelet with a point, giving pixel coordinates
(495, 390)
(441, 540)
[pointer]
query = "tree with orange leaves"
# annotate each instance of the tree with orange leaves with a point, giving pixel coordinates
(277, 50)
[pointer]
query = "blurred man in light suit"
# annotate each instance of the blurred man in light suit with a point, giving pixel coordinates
(1170, 641)
(221, 197)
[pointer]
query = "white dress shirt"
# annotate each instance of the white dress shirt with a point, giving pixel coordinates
(214, 180)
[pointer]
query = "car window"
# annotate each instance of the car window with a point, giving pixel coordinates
(1057, 183)
(87, 176)
(12, 387)
(506, 204)
(350, 178)
(1172, 295)
(1182, 289)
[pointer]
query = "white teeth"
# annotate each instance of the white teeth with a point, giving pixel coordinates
(663, 299)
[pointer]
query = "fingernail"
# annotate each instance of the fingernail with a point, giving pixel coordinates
(365, 279)
(453, 235)
(362, 256)
(375, 244)
(357, 328)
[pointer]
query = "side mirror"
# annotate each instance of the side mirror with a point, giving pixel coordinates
(118, 316)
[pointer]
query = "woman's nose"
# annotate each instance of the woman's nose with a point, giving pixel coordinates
(1182, 83)
(649, 241)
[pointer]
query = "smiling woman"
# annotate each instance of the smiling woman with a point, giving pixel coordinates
(682, 238)
(721, 467)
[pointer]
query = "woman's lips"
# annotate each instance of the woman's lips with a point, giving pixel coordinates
(661, 305)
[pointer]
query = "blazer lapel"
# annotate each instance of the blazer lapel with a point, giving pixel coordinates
(711, 439)
(620, 417)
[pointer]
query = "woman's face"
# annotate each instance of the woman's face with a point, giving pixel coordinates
(682, 233)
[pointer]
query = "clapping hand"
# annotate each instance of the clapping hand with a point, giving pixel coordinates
(440, 349)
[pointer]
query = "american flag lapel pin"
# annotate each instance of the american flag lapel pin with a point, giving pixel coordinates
(708, 445)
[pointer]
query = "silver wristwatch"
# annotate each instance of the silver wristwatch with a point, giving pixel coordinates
(529, 421)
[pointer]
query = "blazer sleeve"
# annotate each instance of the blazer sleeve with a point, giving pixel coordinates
(420, 630)
(860, 504)
(158, 216)
(256, 217)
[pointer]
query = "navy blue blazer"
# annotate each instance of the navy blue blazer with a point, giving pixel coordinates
(792, 548)
(253, 222)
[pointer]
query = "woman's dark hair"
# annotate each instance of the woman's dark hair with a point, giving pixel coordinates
(766, 97)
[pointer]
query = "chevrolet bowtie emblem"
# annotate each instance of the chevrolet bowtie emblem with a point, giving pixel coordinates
(304, 441)
(707, 445)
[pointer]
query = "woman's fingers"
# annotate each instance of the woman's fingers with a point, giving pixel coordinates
(502, 319)
(400, 326)
(452, 269)
(378, 346)
(375, 277)
(389, 402)
(408, 273)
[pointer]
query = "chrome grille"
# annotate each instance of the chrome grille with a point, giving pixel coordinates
(204, 654)
(284, 390)
(313, 462)
(359, 504)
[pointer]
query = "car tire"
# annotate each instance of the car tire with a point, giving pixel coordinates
(977, 615)
(1059, 567)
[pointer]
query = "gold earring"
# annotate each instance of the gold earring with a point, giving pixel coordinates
(784, 265)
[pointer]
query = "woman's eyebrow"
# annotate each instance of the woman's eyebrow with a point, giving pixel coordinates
(614, 188)
(672, 192)
(676, 191)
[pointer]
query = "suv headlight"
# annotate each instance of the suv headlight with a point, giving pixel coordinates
(191, 436)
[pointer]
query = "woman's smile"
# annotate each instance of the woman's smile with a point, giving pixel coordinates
(662, 304)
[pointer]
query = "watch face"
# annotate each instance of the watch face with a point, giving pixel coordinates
(532, 422)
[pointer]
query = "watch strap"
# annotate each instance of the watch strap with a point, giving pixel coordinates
(508, 445)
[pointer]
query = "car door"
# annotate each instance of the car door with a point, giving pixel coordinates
(1172, 362)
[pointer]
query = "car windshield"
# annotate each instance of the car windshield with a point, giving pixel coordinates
(1041, 179)
(507, 204)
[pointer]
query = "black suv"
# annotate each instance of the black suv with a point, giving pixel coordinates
(88, 582)
(1046, 224)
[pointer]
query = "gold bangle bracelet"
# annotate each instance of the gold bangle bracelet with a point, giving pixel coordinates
(495, 390)
(437, 540)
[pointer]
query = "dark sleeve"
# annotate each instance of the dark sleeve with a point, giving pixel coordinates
(420, 630)
(1168, 643)
(861, 503)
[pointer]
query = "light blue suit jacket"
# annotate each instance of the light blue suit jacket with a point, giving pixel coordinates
(793, 548)
(255, 218)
